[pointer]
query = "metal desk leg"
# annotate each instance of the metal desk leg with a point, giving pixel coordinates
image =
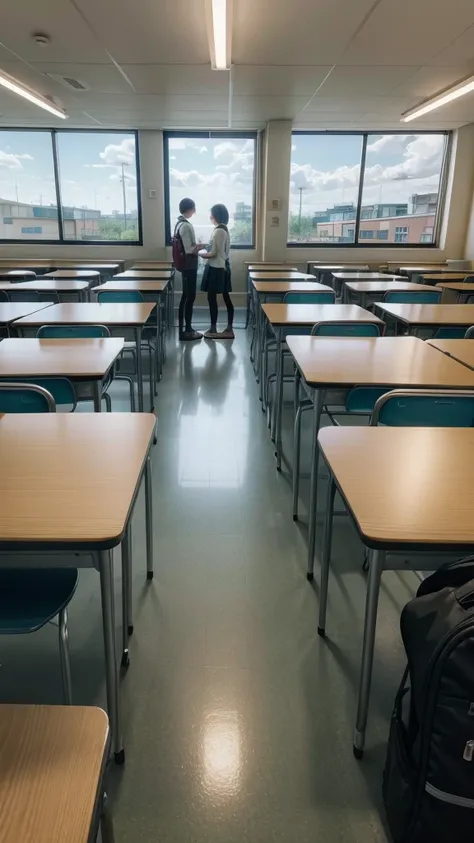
(106, 571)
(149, 520)
(138, 344)
(326, 557)
(247, 318)
(97, 396)
(376, 566)
(127, 620)
(313, 495)
(278, 363)
(279, 399)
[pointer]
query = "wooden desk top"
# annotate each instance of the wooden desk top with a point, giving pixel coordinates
(310, 314)
(152, 264)
(453, 277)
(44, 284)
(428, 269)
(131, 284)
(405, 486)
(431, 314)
(461, 350)
(26, 263)
(283, 275)
(388, 286)
(143, 274)
(272, 267)
(52, 760)
(462, 286)
(366, 276)
(88, 313)
(90, 274)
(99, 266)
(341, 267)
(68, 480)
(371, 361)
(14, 274)
(11, 311)
(77, 358)
(291, 287)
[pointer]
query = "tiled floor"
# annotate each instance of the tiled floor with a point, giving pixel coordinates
(238, 719)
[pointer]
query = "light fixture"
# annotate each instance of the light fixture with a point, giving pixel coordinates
(219, 28)
(459, 90)
(22, 90)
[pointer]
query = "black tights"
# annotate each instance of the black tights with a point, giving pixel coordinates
(185, 311)
(214, 310)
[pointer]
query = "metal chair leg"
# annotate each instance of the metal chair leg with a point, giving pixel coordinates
(326, 557)
(108, 401)
(106, 823)
(64, 657)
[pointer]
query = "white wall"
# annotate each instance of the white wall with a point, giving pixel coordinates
(457, 233)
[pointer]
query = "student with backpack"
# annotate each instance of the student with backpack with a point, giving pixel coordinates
(185, 260)
(217, 278)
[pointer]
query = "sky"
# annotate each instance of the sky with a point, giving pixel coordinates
(210, 171)
(327, 167)
(89, 164)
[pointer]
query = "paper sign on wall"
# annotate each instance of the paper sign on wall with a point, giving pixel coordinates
(275, 204)
(275, 222)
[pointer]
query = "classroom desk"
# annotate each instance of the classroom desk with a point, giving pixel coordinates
(316, 265)
(89, 275)
(118, 318)
(460, 350)
(39, 267)
(284, 273)
(338, 364)
(436, 277)
(416, 316)
(143, 275)
(272, 267)
(152, 265)
(64, 289)
(428, 269)
(391, 512)
(52, 769)
(85, 362)
(285, 319)
(69, 482)
(105, 269)
(11, 311)
(366, 293)
(16, 275)
(464, 289)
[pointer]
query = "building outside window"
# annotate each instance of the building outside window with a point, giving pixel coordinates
(339, 178)
(211, 168)
(31, 229)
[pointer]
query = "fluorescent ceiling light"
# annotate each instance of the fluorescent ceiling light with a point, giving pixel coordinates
(16, 87)
(219, 25)
(451, 94)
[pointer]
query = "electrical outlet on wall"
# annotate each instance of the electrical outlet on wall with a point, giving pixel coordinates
(152, 194)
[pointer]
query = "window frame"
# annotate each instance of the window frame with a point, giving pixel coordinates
(210, 135)
(448, 134)
(61, 240)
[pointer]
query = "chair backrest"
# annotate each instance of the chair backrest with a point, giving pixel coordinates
(309, 298)
(469, 335)
(18, 397)
(17, 294)
(394, 297)
(449, 334)
(60, 389)
(425, 408)
(119, 297)
(72, 332)
(361, 399)
(3, 295)
(346, 329)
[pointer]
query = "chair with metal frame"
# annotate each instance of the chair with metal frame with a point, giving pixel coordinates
(3, 296)
(309, 298)
(66, 332)
(449, 333)
(412, 297)
(32, 598)
(424, 408)
(469, 335)
(60, 389)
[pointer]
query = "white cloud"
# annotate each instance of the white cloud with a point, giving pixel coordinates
(98, 166)
(172, 157)
(226, 148)
(293, 147)
(13, 161)
(130, 177)
(122, 153)
(177, 143)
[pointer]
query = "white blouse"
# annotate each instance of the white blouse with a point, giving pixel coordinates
(220, 248)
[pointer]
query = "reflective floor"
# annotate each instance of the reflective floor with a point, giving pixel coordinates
(238, 719)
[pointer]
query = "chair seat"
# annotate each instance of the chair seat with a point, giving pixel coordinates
(30, 597)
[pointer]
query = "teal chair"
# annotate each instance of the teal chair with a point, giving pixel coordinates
(424, 408)
(68, 332)
(309, 298)
(31, 598)
(59, 389)
(346, 329)
(412, 297)
(449, 334)
(469, 335)
(3, 296)
(16, 294)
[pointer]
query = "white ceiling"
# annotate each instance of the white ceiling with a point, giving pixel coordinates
(341, 64)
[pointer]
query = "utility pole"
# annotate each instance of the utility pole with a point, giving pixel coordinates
(124, 194)
(301, 206)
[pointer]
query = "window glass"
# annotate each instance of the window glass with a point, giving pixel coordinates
(402, 178)
(98, 184)
(324, 186)
(212, 170)
(27, 186)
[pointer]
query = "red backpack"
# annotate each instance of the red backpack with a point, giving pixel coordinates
(179, 255)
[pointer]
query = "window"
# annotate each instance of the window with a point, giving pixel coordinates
(401, 234)
(210, 168)
(96, 184)
(402, 182)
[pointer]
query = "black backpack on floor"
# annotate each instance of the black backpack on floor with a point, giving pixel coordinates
(428, 781)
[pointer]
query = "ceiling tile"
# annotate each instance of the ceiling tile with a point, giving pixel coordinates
(460, 51)
(258, 80)
(429, 80)
(365, 81)
(173, 79)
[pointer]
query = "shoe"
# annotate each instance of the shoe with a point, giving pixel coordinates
(190, 336)
(212, 335)
(227, 335)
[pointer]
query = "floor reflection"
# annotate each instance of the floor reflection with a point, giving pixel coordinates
(221, 747)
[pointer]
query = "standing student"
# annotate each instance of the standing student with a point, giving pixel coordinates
(217, 278)
(184, 230)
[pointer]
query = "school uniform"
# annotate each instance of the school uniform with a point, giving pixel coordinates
(189, 274)
(217, 276)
